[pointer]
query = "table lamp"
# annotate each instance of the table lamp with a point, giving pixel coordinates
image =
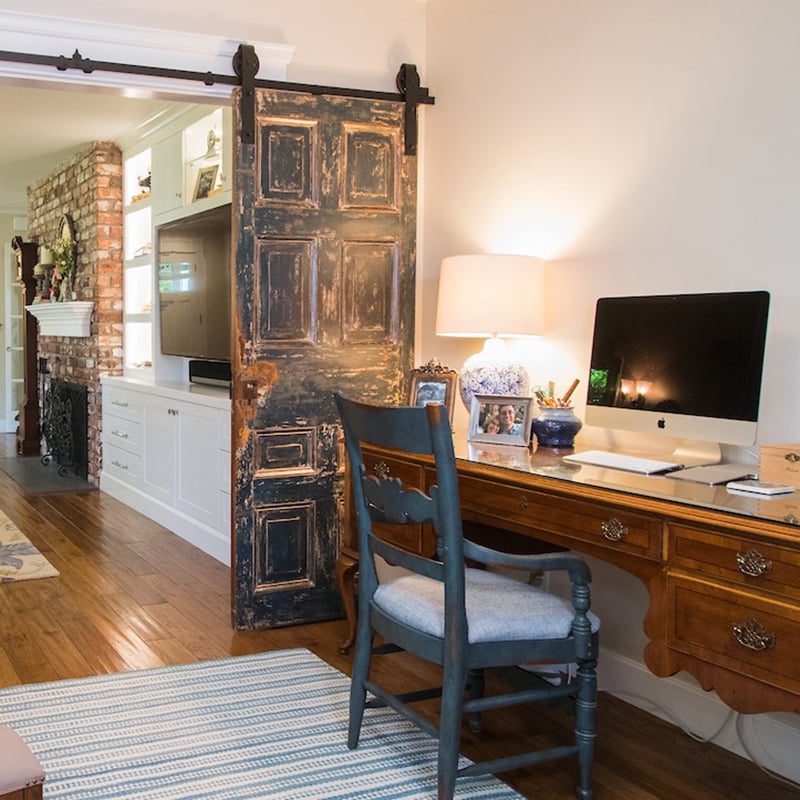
(491, 296)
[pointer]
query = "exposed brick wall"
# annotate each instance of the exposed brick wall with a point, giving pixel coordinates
(89, 188)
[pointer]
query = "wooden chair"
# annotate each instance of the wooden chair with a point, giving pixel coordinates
(463, 618)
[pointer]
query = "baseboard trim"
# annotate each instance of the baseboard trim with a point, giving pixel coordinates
(773, 743)
(213, 542)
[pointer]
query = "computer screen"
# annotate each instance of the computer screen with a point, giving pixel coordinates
(687, 365)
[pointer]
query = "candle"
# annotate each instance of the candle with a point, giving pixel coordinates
(45, 256)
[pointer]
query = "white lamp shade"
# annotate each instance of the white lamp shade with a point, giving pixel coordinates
(490, 295)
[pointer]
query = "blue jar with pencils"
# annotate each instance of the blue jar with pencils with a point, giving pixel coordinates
(556, 427)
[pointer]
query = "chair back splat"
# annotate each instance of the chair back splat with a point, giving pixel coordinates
(466, 619)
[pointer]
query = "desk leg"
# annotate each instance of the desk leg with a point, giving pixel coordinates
(346, 569)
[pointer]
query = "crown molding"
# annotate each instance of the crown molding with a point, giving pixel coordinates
(127, 44)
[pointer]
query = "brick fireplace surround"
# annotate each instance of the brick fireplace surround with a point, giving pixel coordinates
(88, 187)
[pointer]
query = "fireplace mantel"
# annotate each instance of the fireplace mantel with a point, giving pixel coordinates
(71, 318)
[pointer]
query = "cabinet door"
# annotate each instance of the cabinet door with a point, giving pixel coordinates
(159, 445)
(168, 174)
(197, 486)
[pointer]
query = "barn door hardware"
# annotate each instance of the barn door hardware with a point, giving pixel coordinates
(245, 66)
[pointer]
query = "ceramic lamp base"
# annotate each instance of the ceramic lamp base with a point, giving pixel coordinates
(493, 372)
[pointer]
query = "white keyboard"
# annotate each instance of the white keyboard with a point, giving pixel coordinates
(601, 458)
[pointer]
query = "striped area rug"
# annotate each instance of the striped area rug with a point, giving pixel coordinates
(271, 725)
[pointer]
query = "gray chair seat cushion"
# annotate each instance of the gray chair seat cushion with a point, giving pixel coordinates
(498, 608)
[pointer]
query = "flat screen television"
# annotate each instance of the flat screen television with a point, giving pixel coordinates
(685, 365)
(194, 285)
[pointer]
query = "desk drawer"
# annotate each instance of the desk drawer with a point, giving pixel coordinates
(761, 567)
(734, 629)
(603, 525)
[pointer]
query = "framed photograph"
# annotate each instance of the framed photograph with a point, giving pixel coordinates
(433, 383)
(499, 419)
(206, 176)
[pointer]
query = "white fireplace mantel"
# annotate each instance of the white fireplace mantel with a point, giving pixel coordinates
(71, 318)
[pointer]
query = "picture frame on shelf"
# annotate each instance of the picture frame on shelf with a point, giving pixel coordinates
(204, 185)
(433, 383)
(500, 419)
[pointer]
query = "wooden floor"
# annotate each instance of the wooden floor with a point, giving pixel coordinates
(132, 595)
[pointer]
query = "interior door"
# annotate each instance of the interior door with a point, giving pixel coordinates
(11, 340)
(324, 215)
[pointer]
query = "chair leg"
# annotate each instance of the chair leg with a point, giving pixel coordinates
(453, 687)
(358, 694)
(476, 684)
(585, 705)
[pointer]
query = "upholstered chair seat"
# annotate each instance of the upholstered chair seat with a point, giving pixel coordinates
(498, 607)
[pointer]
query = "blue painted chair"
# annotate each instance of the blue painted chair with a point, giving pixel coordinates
(463, 618)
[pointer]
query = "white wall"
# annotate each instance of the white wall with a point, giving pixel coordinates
(639, 146)
(343, 42)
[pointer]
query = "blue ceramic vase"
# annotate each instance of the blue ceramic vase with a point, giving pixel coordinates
(556, 427)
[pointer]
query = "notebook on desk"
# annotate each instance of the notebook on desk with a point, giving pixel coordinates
(714, 474)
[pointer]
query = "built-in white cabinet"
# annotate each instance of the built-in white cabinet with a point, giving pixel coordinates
(166, 453)
(181, 169)
(137, 284)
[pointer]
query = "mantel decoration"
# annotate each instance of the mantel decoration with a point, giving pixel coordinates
(55, 271)
(64, 259)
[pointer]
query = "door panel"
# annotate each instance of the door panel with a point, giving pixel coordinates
(324, 215)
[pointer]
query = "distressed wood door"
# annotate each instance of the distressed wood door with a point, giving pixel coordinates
(324, 216)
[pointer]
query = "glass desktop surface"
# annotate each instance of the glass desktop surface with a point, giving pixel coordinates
(549, 464)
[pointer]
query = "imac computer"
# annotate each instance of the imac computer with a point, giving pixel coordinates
(687, 366)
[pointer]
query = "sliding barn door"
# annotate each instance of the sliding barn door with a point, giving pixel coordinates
(324, 228)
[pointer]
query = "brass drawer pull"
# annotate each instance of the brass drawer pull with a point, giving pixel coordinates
(381, 469)
(523, 503)
(753, 635)
(752, 563)
(614, 530)
(792, 458)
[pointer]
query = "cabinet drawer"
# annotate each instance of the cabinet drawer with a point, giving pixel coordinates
(740, 631)
(120, 403)
(122, 464)
(743, 562)
(532, 511)
(122, 433)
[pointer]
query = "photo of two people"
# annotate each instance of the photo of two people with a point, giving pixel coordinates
(502, 420)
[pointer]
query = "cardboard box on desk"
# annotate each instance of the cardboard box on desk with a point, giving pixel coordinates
(779, 463)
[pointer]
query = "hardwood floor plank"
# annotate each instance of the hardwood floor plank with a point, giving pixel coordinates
(8, 675)
(132, 595)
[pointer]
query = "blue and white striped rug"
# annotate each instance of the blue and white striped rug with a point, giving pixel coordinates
(271, 725)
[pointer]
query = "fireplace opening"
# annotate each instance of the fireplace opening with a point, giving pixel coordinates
(65, 426)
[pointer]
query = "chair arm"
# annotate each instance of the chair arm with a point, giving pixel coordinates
(577, 568)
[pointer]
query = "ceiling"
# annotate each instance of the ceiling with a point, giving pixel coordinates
(43, 127)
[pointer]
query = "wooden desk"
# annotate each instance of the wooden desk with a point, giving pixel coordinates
(722, 571)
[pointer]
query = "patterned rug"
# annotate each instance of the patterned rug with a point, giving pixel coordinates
(19, 559)
(272, 725)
